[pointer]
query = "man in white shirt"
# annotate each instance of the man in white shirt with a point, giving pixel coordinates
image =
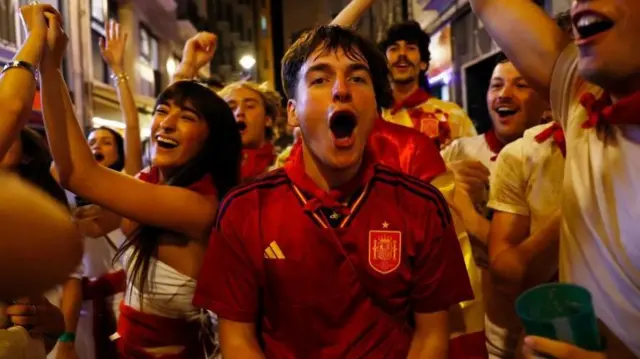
(523, 240)
(594, 88)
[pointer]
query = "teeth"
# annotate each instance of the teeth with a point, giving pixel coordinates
(503, 108)
(166, 140)
(590, 19)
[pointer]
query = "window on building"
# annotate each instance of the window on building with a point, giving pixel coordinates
(148, 66)
(7, 22)
(229, 14)
(240, 27)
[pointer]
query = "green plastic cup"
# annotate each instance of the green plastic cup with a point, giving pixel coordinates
(561, 312)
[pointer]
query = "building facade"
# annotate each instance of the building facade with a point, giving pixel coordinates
(244, 33)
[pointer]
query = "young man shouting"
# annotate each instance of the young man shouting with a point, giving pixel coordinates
(366, 262)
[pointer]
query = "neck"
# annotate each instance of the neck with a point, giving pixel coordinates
(325, 177)
(629, 88)
(403, 90)
(505, 140)
(255, 145)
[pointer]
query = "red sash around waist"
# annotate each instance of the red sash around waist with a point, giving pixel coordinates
(139, 330)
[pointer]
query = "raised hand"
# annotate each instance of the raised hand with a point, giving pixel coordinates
(199, 50)
(33, 16)
(112, 47)
(57, 40)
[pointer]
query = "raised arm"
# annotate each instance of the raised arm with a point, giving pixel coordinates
(527, 35)
(40, 246)
(113, 50)
(173, 208)
(197, 53)
(17, 82)
(351, 13)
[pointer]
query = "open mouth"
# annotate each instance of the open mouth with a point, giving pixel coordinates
(402, 65)
(342, 124)
(166, 143)
(589, 24)
(506, 111)
(98, 156)
(241, 125)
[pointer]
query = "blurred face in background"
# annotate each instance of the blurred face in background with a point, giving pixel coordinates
(249, 108)
(404, 60)
(103, 146)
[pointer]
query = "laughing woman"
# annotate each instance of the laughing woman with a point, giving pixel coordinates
(168, 210)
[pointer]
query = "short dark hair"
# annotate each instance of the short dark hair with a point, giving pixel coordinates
(213, 82)
(501, 58)
(410, 32)
(329, 38)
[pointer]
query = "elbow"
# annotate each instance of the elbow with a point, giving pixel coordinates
(507, 275)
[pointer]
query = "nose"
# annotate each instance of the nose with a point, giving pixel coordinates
(238, 112)
(506, 92)
(168, 123)
(341, 91)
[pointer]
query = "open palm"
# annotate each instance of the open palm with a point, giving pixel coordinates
(112, 46)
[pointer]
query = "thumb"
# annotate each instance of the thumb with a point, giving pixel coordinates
(554, 348)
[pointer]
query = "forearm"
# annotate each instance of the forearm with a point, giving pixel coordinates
(536, 258)
(185, 71)
(350, 15)
(133, 144)
(71, 154)
(477, 226)
(71, 304)
(434, 346)
(17, 89)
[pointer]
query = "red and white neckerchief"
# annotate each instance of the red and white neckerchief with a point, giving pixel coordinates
(625, 111)
(554, 131)
(495, 145)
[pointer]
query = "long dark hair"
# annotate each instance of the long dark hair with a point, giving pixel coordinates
(219, 157)
(118, 165)
(35, 165)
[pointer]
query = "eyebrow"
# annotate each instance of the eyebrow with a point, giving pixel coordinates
(323, 67)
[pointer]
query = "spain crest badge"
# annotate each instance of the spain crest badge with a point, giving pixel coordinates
(385, 250)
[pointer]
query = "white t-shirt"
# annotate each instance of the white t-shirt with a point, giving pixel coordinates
(527, 179)
(600, 238)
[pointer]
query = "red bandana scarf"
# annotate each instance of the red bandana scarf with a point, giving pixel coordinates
(494, 143)
(554, 131)
(417, 98)
(625, 111)
(334, 199)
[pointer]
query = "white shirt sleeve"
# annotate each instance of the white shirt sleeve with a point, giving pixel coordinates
(508, 184)
(565, 82)
(453, 152)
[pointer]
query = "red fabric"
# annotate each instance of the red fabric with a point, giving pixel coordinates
(625, 111)
(494, 143)
(257, 161)
(417, 98)
(423, 121)
(323, 298)
(140, 330)
(402, 148)
(468, 346)
(104, 319)
(407, 150)
(554, 131)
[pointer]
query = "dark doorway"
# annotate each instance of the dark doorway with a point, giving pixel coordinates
(477, 77)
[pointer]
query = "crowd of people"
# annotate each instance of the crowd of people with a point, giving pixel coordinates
(363, 219)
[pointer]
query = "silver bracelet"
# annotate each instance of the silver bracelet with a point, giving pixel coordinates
(19, 64)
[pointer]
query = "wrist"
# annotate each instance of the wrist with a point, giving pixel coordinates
(117, 70)
(67, 337)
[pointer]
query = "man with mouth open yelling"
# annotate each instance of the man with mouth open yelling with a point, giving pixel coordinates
(593, 84)
(407, 49)
(366, 262)
(255, 109)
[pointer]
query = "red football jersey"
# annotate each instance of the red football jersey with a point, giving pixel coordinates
(333, 285)
(407, 150)
(256, 161)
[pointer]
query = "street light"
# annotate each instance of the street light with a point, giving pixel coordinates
(247, 62)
